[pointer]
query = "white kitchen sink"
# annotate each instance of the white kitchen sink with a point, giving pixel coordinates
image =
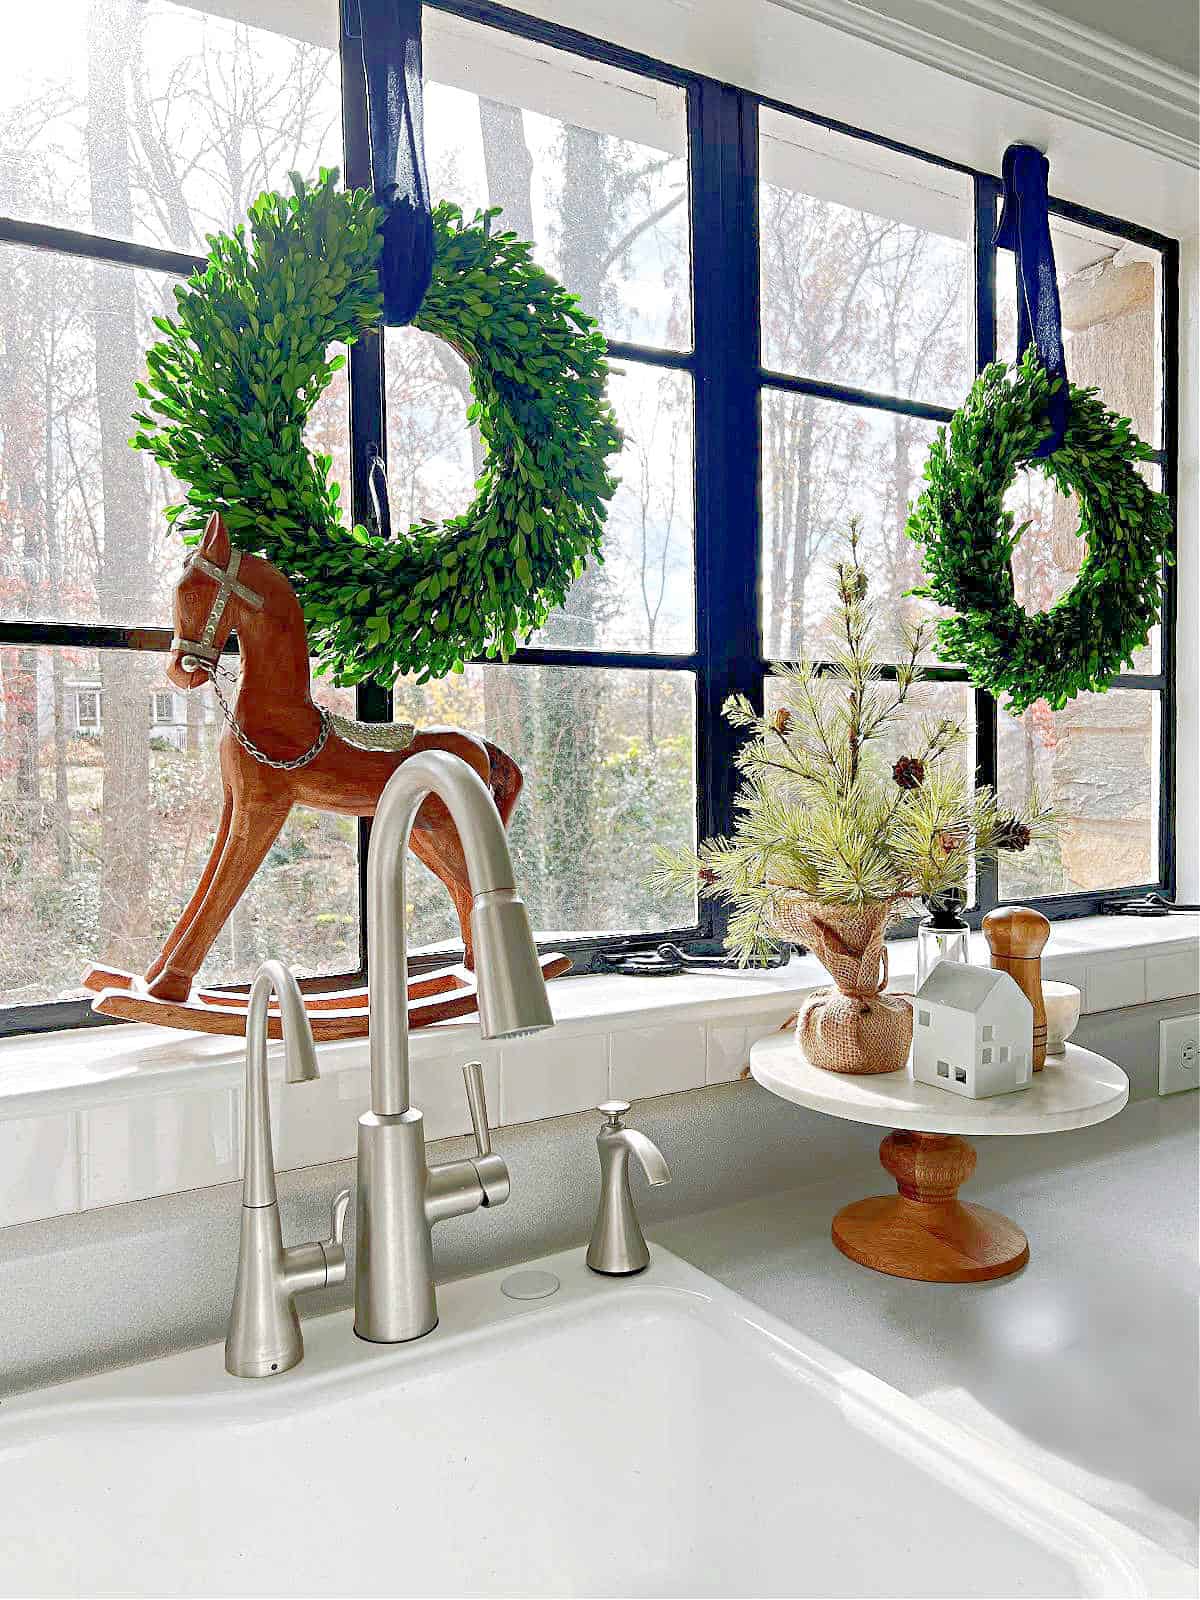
(648, 1436)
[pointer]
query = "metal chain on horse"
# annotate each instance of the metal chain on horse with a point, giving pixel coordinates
(192, 664)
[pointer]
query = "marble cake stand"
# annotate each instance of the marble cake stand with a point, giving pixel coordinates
(924, 1231)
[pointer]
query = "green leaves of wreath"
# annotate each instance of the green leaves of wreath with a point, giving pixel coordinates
(246, 357)
(1089, 634)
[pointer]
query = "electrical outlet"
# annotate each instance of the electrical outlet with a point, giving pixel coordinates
(1178, 1054)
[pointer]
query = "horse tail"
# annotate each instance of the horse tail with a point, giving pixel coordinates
(504, 780)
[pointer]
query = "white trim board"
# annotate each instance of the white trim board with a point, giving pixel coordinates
(1029, 53)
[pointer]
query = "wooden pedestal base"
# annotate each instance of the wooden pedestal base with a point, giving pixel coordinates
(925, 1231)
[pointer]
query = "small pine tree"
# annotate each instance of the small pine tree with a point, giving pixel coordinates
(818, 813)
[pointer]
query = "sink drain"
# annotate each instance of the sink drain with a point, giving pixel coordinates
(530, 1285)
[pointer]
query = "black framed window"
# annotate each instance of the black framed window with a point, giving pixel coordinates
(791, 307)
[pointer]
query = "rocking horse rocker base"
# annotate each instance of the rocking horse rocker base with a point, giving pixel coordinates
(280, 750)
(439, 996)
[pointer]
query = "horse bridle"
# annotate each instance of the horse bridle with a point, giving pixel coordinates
(200, 655)
(199, 652)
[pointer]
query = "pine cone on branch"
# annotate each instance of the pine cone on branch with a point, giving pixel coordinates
(951, 839)
(1012, 834)
(909, 772)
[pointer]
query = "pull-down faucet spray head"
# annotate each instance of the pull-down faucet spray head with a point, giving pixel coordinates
(512, 990)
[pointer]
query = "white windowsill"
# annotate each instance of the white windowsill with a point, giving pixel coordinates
(95, 1116)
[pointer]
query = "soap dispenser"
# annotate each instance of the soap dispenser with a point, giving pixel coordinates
(618, 1246)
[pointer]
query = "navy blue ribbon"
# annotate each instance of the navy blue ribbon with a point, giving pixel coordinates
(390, 34)
(1024, 228)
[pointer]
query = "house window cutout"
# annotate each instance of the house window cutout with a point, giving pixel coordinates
(987, 1054)
(960, 1074)
(922, 1016)
(1004, 1052)
(943, 1069)
(988, 1031)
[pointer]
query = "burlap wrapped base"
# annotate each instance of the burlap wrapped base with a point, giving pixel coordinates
(854, 1027)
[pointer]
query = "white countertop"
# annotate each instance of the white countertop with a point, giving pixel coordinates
(1083, 1363)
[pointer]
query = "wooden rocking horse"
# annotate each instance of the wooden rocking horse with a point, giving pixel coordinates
(279, 750)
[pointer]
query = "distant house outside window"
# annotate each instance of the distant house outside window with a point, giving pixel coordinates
(87, 710)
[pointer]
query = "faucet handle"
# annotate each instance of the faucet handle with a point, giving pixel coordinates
(491, 1170)
(337, 1215)
(334, 1248)
(613, 1110)
(477, 1106)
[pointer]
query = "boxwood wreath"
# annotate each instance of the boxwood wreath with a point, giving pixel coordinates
(232, 383)
(1091, 632)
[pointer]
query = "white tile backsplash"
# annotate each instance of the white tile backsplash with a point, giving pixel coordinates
(548, 1076)
(728, 1053)
(101, 1117)
(437, 1088)
(1113, 984)
(39, 1167)
(663, 1060)
(764, 1027)
(318, 1121)
(1068, 970)
(156, 1144)
(1170, 977)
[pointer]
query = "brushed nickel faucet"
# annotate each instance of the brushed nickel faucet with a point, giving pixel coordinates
(618, 1246)
(400, 1196)
(264, 1330)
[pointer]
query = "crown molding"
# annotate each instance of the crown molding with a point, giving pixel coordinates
(1030, 54)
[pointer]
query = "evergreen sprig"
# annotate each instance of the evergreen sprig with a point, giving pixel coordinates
(234, 379)
(1091, 633)
(820, 813)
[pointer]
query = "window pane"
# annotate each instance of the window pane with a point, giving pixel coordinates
(109, 801)
(641, 597)
(1050, 553)
(76, 337)
(1097, 763)
(587, 161)
(822, 463)
(609, 765)
(1111, 294)
(866, 264)
(181, 114)
(434, 455)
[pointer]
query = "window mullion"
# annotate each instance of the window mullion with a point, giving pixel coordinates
(368, 432)
(723, 143)
(987, 192)
(1168, 705)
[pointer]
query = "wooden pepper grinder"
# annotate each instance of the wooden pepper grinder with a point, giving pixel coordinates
(1015, 936)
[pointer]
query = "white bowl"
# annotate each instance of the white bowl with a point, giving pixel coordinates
(1062, 1001)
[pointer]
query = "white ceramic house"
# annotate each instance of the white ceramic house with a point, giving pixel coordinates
(972, 1032)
